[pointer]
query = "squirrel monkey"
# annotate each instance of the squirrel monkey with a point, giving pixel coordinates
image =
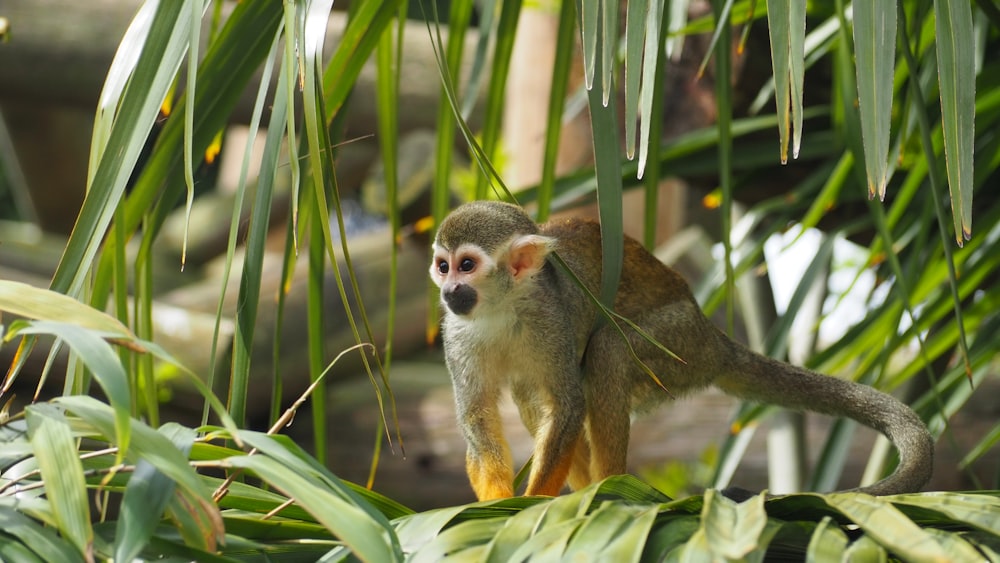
(513, 317)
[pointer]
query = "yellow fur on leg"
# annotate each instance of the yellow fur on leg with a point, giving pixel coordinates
(579, 472)
(551, 482)
(490, 478)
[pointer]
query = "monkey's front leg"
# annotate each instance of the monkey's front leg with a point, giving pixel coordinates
(487, 460)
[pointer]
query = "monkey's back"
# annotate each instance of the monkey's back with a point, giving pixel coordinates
(657, 299)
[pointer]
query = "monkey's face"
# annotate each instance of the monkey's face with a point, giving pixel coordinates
(459, 273)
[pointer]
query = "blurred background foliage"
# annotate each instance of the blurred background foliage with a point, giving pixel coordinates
(811, 168)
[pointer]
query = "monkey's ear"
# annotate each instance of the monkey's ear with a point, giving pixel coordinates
(527, 255)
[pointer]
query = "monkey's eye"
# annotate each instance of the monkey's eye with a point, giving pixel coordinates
(467, 265)
(442, 267)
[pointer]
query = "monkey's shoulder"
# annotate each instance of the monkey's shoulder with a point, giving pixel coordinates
(577, 238)
(645, 280)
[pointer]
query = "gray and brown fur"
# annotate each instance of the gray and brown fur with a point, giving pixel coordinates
(517, 319)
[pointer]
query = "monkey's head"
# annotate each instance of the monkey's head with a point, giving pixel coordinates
(484, 252)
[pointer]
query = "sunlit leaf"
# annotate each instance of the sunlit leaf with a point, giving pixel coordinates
(43, 304)
(55, 450)
(159, 60)
(890, 527)
(733, 530)
(827, 542)
(352, 525)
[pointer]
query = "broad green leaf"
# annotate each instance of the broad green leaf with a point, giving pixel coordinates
(158, 450)
(957, 81)
(557, 518)
(957, 545)
(13, 448)
(146, 498)
(11, 551)
(368, 539)
(874, 48)
(416, 530)
(889, 527)
(613, 532)
(56, 453)
(122, 67)
(467, 541)
(630, 488)
(199, 524)
(103, 363)
(292, 456)
(732, 529)
(47, 305)
(980, 511)
(827, 543)
(36, 507)
(549, 542)
(670, 535)
(866, 549)
(42, 540)
(516, 531)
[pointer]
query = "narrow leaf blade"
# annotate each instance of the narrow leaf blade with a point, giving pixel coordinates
(874, 46)
(957, 82)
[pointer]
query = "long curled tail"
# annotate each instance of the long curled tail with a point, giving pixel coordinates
(759, 378)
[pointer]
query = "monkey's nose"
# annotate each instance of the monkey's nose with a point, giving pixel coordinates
(460, 299)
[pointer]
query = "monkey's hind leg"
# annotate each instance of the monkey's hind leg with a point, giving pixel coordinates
(555, 449)
(606, 386)
(609, 434)
(579, 471)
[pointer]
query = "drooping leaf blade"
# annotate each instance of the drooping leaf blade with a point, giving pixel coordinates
(875, 48)
(957, 82)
